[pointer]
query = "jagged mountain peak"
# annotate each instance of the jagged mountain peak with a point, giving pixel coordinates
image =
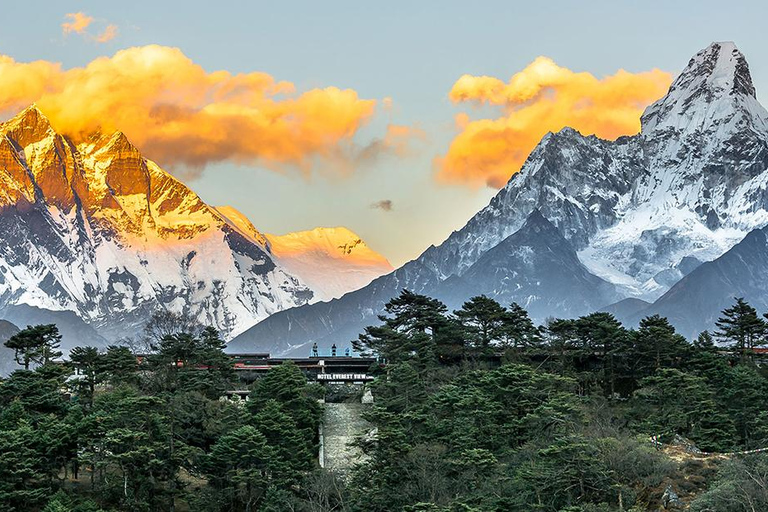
(536, 222)
(28, 126)
(30, 117)
(723, 68)
(98, 229)
(690, 184)
(715, 87)
(720, 67)
(116, 142)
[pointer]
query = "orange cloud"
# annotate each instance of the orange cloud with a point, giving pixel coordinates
(109, 34)
(181, 115)
(77, 23)
(541, 98)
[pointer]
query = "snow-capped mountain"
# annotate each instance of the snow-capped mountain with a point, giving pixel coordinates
(97, 229)
(692, 183)
(537, 268)
(641, 211)
(331, 261)
(695, 302)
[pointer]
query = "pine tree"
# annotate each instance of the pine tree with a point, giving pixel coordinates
(35, 344)
(519, 330)
(745, 398)
(657, 345)
(241, 463)
(411, 330)
(741, 327)
(293, 452)
(685, 404)
(607, 339)
(118, 365)
(86, 361)
(484, 321)
(411, 312)
(562, 342)
(704, 342)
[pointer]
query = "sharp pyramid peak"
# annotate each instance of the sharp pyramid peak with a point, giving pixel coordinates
(28, 126)
(32, 110)
(109, 144)
(118, 140)
(718, 74)
(722, 66)
(536, 219)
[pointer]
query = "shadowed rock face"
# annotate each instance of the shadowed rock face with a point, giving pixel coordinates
(537, 268)
(695, 302)
(639, 211)
(97, 229)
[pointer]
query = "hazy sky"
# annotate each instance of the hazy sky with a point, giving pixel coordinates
(411, 53)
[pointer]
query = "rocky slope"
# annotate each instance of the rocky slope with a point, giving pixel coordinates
(535, 267)
(695, 302)
(97, 229)
(640, 210)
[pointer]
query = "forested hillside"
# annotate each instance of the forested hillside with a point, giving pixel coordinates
(476, 410)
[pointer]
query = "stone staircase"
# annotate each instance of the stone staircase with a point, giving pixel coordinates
(342, 424)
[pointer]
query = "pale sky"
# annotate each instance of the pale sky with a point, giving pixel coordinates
(411, 52)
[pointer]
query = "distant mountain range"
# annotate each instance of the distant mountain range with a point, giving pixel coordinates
(592, 224)
(97, 238)
(331, 261)
(672, 220)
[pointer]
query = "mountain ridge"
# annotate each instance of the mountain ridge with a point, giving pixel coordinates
(96, 228)
(689, 186)
(331, 261)
(695, 302)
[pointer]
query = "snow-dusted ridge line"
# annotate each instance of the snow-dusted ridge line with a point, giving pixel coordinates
(640, 210)
(332, 261)
(691, 183)
(99, 230)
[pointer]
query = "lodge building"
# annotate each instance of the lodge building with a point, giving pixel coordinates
(323, 369)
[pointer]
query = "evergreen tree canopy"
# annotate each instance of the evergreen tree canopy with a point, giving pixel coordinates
(35, 344)
(741, 326)
(484, 321)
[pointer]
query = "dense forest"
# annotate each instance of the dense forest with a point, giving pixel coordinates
(475, 410)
